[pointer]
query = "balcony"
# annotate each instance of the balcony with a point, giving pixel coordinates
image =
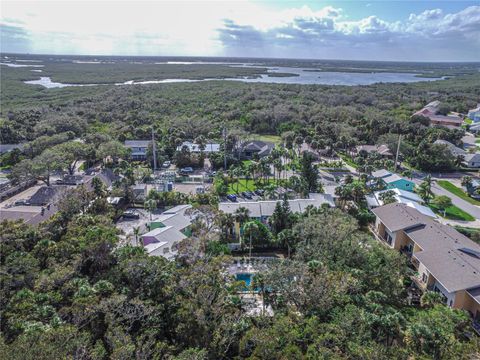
(382, 239)
(416, 278)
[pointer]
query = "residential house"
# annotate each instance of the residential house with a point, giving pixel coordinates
(263, 210)
(167, 230)
(475, 128)
(256, 148)
(47, 195)
(383, 150)
(138, 149)
(31, 215)
(393, 181)
(402, 197)
(5, 148)
(471, 160)
(195, 148)
(446, 261)
(380, 174)
(474, 114)
(430, 111)
(454, 150)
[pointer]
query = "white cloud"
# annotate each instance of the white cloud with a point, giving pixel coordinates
(431, 35)
(234, 28)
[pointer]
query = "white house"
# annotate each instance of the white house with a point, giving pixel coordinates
(195, 148)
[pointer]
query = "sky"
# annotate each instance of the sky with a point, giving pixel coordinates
(353, 30)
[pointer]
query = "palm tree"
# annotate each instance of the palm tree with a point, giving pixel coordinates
(298, 142)
(277, 165)
(425, 189)
(250, 171)
(151, 206)
(344, 194)
(459, 160)
(358, 191)
(467, 181)
(136, 232)
(226, 222)
(270, 191)
(242, 214)
(284, 237)
(264, 169)
(250, 228)
(388, 197)
(237, 173)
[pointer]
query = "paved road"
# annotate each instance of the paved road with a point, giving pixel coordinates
(462, 204)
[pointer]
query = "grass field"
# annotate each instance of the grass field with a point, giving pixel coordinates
(348, 160)
(243, 185)
(453, 213)
(269, 138)
(447, 185)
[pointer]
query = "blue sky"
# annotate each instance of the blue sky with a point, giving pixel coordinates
(357, 30)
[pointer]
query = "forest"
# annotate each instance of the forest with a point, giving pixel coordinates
(333, 116)
(70, 292)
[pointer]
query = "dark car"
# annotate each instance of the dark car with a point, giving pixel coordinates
(259, 192)
(130, 214)
(232, 197)
(186, 170)
(247, 194)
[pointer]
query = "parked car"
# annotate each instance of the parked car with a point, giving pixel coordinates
(259, 192)
(131, 214)
(232, 197)
(166, 164)
(22, 203)
(247, 195)
(186, 170)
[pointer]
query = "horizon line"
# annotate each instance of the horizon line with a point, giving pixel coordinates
(241, 57)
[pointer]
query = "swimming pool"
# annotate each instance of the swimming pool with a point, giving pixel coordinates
(246, 277)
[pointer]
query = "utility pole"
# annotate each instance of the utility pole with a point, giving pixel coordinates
(224, 148)
(398, 150)
(154, 150)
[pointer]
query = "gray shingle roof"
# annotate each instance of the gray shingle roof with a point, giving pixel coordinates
(137, 143)
(4, 148)
(399, 216)
(441, 246)
(381, 173)
(266, 208)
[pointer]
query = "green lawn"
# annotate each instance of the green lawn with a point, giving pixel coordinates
(453, 213)
(447, 185)
(348, 160)
(269, 138)
(243, 185)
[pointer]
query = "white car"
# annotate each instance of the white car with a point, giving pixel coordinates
(166, 164)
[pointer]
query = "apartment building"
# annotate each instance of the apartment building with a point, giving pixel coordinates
(445, 260)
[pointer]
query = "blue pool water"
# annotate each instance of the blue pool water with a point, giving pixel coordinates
(245, 277)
